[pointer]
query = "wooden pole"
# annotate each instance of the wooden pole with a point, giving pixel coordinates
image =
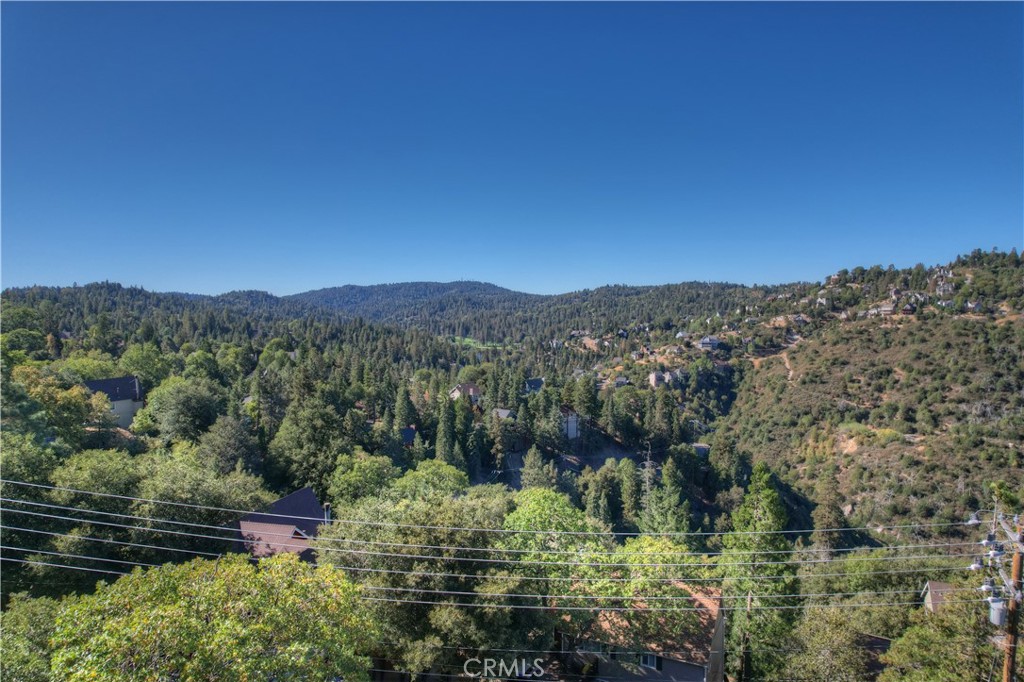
(745, 662)
(1013, 616)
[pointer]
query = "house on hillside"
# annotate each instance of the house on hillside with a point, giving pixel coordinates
(887, 309)
(874, 646)
(125, 394)
(570, 423)
(466, 390)
(534, 385)
(613, 649)
(709, 343)
(502, 413)
(408, 435)
(934, 594)
(288, 525)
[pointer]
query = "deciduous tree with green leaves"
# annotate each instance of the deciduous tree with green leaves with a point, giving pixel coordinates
(226, 620)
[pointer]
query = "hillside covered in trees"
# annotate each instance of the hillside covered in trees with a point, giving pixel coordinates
(808, 450)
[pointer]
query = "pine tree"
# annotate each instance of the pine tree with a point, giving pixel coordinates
(828, 515)
(755, 548)
(405, 411)
(585, 397)
(629, 484)
(665, 510)
(419, 450)
(444, 446)
(458, 459)
(534, 475)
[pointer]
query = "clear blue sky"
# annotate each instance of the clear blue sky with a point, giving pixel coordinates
(543, 147)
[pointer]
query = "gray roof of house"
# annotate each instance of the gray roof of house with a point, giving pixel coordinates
(300, 509)
(121, 388)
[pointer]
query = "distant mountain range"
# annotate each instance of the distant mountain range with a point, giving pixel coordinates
(409, 301)
(491, 313)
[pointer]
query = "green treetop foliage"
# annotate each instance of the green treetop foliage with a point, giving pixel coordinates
(359, 475)
(954, 643)
(566, 545)
(181, 409)
(52, 405)
(25, 630)
(444, 446)
(226, 619)
(426, 508)
(306, 447)
(884, 420)
(755, 549)
(826, 646)
(231, 444)
(430, 480)
(537, 474)
(146, 362)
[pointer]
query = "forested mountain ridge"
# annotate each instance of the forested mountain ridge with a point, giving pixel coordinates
(701, 417)
(906, 418)
(482, 311)
(492, 314)
(374, 301)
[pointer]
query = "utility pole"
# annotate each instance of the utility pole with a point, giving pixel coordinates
(1013, 613)
(745, 662)
(1004, 612)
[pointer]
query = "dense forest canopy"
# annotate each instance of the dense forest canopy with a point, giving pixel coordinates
(776, 446)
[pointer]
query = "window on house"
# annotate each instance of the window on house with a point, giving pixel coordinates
(649, 661)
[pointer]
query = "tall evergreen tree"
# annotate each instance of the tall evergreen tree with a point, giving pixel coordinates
(756, 548)
(828, 516)
(585, 397)
(629, 484)
(534, 474)
(665, 510)
(405, 411)
(444, 446)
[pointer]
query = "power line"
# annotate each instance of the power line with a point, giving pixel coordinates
(497, 577)
(76, 568)
(593, 564)
(511, 606)
(133, 517)
(687, 596)
(616, 609)
(112, 542)
(487, 530)
(450, 547)
(465, 548)
(79, 556)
